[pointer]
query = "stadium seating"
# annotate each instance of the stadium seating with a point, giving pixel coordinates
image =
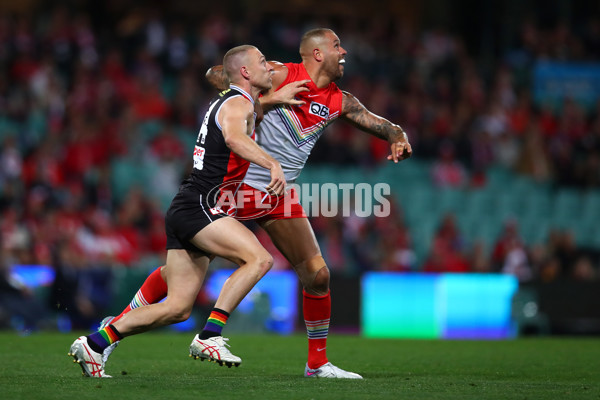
(481, 212)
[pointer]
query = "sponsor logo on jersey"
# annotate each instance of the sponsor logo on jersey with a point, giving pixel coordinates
(319, 110)
(216, 210)
(199, 157)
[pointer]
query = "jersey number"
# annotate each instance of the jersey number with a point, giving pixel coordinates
(199, 150)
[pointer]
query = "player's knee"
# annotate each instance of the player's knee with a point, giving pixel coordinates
(320, 284)
(179, 314)
(259, 262)
(264, 262)
(314, 275)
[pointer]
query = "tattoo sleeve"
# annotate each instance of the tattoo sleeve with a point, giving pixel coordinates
(354, 112)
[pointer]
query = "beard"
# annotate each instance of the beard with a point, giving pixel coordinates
(335, 69)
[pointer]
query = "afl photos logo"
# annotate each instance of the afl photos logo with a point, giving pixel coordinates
(319, 110)
(229, 197)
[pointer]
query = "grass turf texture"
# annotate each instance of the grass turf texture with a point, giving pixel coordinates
(157, 366)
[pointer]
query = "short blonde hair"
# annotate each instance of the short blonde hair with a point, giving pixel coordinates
(234, 59)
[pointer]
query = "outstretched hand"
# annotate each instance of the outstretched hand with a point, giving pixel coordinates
(400, 150)
(287, 94)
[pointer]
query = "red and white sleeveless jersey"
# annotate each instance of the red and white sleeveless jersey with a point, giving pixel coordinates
(288, 133)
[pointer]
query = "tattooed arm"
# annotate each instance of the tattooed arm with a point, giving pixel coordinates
(357, 114)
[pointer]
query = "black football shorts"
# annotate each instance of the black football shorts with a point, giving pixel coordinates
(188, 214)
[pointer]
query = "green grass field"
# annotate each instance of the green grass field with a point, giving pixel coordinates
(156, 366)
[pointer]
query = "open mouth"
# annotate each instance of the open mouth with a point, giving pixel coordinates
(342, 61)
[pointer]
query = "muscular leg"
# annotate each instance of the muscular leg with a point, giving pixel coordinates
(295, 239)
(224, 237)
(185, 273)
(254, 262)
(303, 253)
(153, 290)
(230, 239)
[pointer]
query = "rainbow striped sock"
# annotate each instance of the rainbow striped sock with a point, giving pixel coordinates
(103, 338)
(138, 300)
(317, 329)
(214, 324)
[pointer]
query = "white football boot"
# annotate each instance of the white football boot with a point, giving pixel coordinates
(214, 349)
(329, 370)
(108, 351)
(90, 362)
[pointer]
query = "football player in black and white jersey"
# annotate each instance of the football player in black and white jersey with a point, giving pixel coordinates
(197, 229)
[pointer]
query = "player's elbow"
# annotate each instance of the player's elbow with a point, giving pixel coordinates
(215, 76)
(210, 74)
(232, 143)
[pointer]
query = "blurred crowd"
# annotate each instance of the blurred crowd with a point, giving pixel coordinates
(75, 96)
(355, 245)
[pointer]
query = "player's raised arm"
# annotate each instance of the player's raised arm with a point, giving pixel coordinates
(354, 112)
(236, 119)
(217, 77)
(284, 95)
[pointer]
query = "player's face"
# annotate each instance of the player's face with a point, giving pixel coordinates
(334, 56)
(262, 71)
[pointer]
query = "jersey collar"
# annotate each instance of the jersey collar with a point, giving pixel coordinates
(243, 92)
